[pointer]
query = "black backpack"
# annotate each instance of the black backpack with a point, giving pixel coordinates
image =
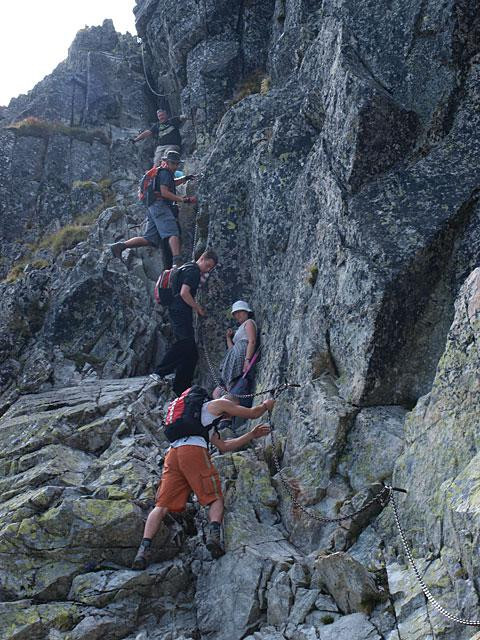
(183, 417)
(169, 284)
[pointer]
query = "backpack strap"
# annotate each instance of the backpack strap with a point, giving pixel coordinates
(176, 274)
(213, 425)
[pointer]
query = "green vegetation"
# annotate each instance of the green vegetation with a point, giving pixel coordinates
(256, 82)
(69, 235)
(38, 128)
(328, 619)
(265, 85)
(104, 187)
(18, 268)
(65, 238)
(312, 275)
(99, 186)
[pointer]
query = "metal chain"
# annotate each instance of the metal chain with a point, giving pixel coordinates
(160, 95)
(382, 497)
(425, 589)
(195, 233)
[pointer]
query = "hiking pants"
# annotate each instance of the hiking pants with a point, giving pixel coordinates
(182, 359)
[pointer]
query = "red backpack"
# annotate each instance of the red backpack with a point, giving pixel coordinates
(184, 414)
(146, 193)
(162, 291)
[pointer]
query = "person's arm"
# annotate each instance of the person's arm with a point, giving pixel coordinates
(235, 443)
(224, 406)
(141, 136)
(251, 331)
(187, 297)
(168, 195)
(229, 336)
(184, 179)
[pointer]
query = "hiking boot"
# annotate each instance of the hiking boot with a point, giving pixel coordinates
(142, 558)
(214, 540)
(117, 249)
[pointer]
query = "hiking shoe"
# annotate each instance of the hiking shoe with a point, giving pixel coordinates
(142, 558)
(214, 540)
(117, 249)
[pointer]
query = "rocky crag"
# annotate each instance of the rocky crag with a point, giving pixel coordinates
(337, 144)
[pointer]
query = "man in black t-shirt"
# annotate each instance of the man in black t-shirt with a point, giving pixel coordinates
(182, 356)
(161, 223)
(167, 133)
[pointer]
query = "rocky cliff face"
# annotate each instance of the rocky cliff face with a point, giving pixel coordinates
(338, 147)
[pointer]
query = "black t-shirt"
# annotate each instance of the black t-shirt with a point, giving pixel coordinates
(165, 178)
(167, 132)
(188, 274)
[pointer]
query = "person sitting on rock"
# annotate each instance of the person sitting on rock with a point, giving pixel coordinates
(163, 213)
(188, 467)
(168, 135)
(182, 356)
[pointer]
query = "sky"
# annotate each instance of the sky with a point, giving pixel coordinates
(35, 36)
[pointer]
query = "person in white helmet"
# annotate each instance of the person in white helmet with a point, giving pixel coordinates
(236, 371)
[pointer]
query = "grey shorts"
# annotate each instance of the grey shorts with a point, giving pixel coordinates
(160, 223)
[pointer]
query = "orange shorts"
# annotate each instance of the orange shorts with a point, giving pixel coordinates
(187, 468)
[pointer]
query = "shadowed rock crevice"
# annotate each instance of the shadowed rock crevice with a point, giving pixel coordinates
(415, 325)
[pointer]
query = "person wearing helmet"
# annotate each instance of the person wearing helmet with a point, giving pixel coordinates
(236, 373)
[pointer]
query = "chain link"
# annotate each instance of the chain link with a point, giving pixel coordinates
(195, 233)
(382, 497)
(425, 589)
(160, 95)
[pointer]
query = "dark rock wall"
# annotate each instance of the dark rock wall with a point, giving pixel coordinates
(78, 121)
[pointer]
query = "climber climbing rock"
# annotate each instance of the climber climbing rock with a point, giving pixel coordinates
(188, 467)
(167, 132)
(182, 356)
(162, 213)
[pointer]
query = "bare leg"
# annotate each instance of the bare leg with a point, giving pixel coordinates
(215, 512)
(136, 242)
(174, 243)
(154, 521)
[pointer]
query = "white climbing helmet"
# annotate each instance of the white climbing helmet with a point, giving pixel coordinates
(240, 305)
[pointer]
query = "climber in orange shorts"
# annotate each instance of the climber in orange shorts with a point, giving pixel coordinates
(188, 466)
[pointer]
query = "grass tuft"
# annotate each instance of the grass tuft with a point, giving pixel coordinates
(69, 235)
(250, 85)
(38, 128)
(312, 275)
(19, 267)
(65, 238)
